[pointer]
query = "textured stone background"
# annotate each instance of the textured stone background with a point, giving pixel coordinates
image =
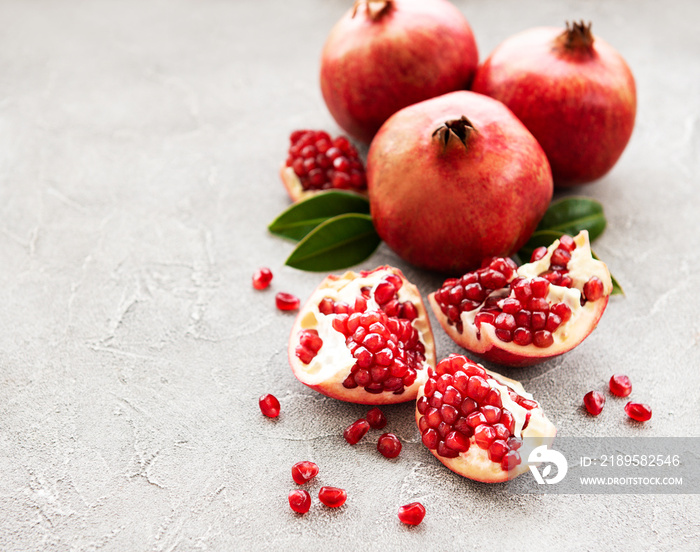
(139, 146)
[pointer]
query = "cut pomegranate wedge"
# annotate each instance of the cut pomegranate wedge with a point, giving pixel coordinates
(521, 316)
(317, 162)
(363, 338)
(478, 423)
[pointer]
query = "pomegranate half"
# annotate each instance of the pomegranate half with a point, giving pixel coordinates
(384, 55)
(478, 423)
(522, 316)
(572, 90)
(456, 179)
(363, 338)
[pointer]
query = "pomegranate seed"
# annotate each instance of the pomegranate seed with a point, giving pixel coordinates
(300, 501)
(262, 278)
(286, 301)
(593, 289)
(537, 254)
(638, 411)
(594, 402)
(620, 385)
(269, 405)
(304, 471)
(333, 497)
(510, 460)
(389, 445)
(376, 418)
(412, 514)
(356, 431)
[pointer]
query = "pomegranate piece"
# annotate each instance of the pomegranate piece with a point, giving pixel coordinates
(269, 405)
(262, 278)
(482, 424)
(412, 514)
(384, 55)
(333, 497)
(389, 445)
(304, 471)
(638, 411)
(299, 501)
(454, 180)
(620, 385)
(522, 316)
(286, 301)
(364, 338)
(356, 431)
(594, 402)
(572, 90)
(317, 162)
(376, 418)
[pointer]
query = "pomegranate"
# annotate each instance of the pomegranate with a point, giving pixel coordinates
(304, 471)
(572, 90)
(376, 418)
(412, 514)
(594, 402)
(315, 162)
(455, 179)
(478, 423)
(638, 411)
(269, 405)
(389, 445)
(364, 338)
(522, 316)
(384, 55)
(286, 301)
(262, 278)
(620, 385)
(300, 501)
(333, 497)
(356, 431)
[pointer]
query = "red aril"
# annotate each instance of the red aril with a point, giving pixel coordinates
(572, 90)
(522, 316)
(412, 514)
(594, 402)
(300, 501)
(356, 431)
(638, 411)
(384, 55)
(478, 423)
(333, 497)
(304, 471)
(317, 162)
(620, 385)
(456, 179)
(364, 338)
(269, 405)
(389, 445)
(262, 278)
(286, 301)
(376, 418)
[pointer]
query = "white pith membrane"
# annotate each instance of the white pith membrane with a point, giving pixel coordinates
(475, 462)
(569, 334)
(293, 185)
(334, 361)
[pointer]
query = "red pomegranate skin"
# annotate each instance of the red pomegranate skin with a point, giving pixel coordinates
(579, 103)
(446, 208)
(370, 69)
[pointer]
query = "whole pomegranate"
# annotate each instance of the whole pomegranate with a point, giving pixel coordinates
(572, 90)
(363, 338)
(455, 179)
(384, 55)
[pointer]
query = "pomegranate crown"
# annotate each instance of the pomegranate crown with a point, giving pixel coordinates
(577, 37)
(459, 128)
(375, 9)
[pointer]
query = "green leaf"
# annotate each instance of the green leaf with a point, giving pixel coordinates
(570, 215)
(337, 243)
(302, 217)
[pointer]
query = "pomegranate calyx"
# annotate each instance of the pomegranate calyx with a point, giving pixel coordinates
(460, 128)
(577, 37)
(375, 9)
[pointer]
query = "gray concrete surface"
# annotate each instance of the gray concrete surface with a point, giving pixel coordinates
(139, 146)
